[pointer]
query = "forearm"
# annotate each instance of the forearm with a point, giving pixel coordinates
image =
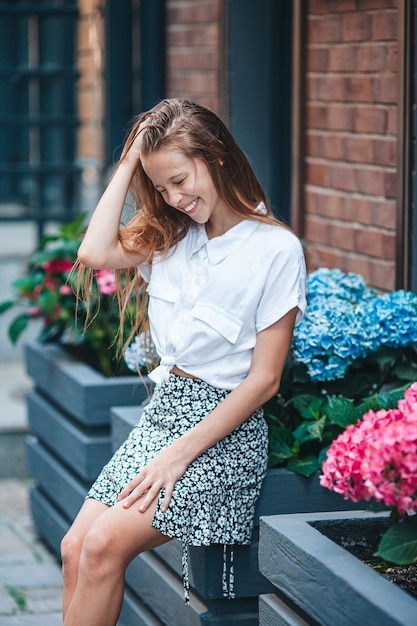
(101, 247)
(260, 385)
(242, 402)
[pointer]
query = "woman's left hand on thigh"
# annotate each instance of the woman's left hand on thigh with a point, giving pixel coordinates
(162, 472)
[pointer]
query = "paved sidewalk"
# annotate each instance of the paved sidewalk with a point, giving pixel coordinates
(30, 576)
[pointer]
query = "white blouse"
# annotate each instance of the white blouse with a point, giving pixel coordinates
(208, 299)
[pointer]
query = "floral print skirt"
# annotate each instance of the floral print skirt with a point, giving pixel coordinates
(214, 501)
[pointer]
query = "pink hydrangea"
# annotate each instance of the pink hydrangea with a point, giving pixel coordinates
(377, 457)
(106, 282)
(57, 266)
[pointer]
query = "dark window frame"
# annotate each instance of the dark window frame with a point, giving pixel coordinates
(406, 241)
(132, 29)
(259, 41)
(40, 183)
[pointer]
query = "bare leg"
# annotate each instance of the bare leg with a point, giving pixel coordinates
(72, 544)
(116, 536)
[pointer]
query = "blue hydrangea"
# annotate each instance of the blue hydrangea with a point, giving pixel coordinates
(346, 320)
(395, 316)
(333, 282)
(139, 353)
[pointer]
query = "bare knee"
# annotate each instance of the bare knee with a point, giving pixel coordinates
(71, 547)
(99, 556)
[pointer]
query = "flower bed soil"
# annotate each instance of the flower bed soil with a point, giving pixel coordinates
(363, 544)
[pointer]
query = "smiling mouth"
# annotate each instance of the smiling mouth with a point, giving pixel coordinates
(190, 207)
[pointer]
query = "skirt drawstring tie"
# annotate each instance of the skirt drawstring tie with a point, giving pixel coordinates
(228, 576)
(185, 573)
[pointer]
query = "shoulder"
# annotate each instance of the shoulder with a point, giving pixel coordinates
(278, 239)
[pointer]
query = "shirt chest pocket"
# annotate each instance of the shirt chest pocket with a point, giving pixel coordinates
(225, 323)
(162, 291)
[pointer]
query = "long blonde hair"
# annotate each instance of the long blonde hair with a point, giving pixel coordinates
(155, 226)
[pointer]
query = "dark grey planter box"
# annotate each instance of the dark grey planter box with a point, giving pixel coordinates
(319, 582)
(282, 492)
(85, 394)
(69, 417)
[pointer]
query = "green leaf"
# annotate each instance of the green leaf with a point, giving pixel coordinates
(368, 404)
(406, 371)
(275, 459)
(306, 466)
(281, 435)
(399, 543)
(310, 431)
(308, 406)
(47, 239)
(341, 411)
(389, 399)
(47, 301)
(43, 256)
(323, 455)
(6, 305)
(281, 443)
(18, 326)
(26, 284)
(73, 229)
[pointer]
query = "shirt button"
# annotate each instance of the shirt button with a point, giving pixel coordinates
(197, 281)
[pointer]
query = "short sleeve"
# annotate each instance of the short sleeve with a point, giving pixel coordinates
(285, 283)
(145, 271)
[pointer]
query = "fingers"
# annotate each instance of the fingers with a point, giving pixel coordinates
(167, 499)
(145, 124)
(130, 487)
(143, 496)
(158, 476)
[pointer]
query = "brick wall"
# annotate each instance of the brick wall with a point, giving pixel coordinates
(90, 45)
(351, 111)
(193, 51)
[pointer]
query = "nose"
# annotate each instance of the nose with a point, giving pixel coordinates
(175, 198)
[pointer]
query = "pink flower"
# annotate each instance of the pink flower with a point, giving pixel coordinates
(35, 293)
(377, 458)
(49, 283)
(65, 290)
(57, 266)
(106, 282)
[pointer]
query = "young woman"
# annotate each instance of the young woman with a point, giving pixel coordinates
(226, 286)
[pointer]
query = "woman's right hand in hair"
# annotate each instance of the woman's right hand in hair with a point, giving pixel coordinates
(101, 247)
(134, 151)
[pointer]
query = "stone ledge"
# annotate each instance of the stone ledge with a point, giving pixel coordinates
(325, 581)
(274, 612)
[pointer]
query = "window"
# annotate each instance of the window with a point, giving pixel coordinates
(38, 113)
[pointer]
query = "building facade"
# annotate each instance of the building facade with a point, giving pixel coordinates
(319, 93)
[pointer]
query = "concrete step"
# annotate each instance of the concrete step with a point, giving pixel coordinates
(14, 385)
(13, 462)
(50, 619)
(30, 575)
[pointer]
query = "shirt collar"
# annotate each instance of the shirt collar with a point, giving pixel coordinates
(219, 248)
